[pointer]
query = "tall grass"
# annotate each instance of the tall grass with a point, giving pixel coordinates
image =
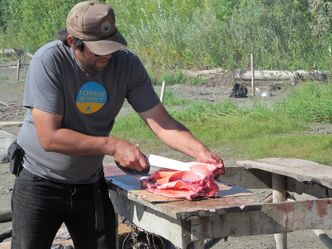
(220, 33)
(171, 35)
(311, 102)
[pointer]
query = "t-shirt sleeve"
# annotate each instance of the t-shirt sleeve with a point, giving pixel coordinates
(43, 88)
(140, 94)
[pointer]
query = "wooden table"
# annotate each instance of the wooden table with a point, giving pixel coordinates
(187, 223)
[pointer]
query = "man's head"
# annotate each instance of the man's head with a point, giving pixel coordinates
(94, 23)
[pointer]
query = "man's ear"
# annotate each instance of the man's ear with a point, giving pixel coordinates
(70, 40)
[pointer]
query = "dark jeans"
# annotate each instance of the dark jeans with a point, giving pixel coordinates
(40, 207)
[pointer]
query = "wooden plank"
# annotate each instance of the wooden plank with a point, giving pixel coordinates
(324, 238)
(301, 170)
(145, 196)
(271, 218)
(209, 207)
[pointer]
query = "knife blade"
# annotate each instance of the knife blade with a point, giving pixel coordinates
(164, 162)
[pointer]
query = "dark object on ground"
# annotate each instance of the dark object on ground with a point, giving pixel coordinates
(239, 91)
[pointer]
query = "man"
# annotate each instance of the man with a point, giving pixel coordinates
(74, 90)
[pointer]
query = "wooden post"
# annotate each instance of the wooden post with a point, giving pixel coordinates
(279, 195)
(18, 70)
(162, 93)
(252, 74)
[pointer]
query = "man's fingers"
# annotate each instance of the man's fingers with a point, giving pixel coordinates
(131, 157)
(145, 167)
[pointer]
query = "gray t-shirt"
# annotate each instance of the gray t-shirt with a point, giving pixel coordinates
(57, 84)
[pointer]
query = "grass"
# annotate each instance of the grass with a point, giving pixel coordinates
(312, 103)
(170, 99)
(299, 145)
(283, 130)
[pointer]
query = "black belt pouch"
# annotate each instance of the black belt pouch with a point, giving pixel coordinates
(15, 154)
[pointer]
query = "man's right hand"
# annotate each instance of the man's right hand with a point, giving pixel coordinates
(129, 156)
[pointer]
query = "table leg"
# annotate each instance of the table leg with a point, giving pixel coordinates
(279, 195)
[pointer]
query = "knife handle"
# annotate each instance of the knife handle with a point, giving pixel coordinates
(130, 171)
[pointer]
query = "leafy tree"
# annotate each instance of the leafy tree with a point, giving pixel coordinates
(173, 34)
(32, 23)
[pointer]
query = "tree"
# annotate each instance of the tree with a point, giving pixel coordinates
(32, 23)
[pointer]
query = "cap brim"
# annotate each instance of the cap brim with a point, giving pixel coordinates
(108, 45)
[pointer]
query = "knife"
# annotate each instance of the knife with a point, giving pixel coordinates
(159, 162)
(167, 163)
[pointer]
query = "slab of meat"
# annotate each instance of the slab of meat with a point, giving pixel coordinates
(196, 183)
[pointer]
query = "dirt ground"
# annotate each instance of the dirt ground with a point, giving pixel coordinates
(217, 90)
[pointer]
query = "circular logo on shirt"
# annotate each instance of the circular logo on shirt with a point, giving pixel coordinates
(91, 97)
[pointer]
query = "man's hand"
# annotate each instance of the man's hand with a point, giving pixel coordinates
(207, 156)
(129, 156)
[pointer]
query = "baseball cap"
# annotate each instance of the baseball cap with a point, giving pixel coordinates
(94, 23)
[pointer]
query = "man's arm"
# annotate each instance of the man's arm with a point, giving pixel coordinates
(53, 137)
(177, 136)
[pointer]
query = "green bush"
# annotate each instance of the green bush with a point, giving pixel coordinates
(171, 35)
(30, 23)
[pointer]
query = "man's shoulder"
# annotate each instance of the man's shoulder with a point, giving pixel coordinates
(126, 56)
(51, 48)
(125, 53)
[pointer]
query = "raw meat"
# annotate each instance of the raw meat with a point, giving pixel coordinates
(196, 183)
